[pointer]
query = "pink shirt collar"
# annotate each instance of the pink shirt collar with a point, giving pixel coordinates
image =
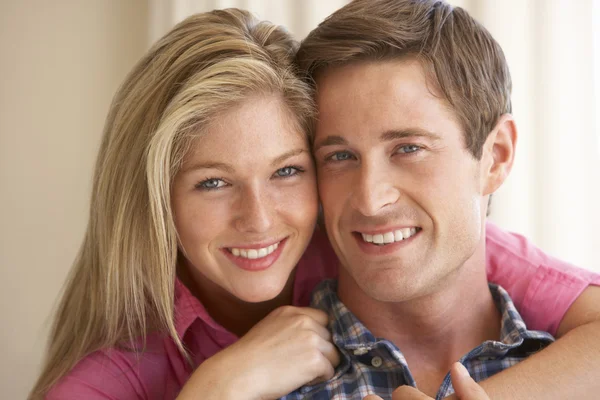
(318, 263)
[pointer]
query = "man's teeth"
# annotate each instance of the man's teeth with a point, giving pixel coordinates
(389, 237)
(254, 253)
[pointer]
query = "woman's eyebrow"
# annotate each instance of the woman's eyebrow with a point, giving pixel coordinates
(287, 155)
(206, 165)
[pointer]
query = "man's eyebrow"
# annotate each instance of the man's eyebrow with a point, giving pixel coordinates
(406, 133)
(208, 165)
(287, 155)
(330, 140)
(392, 134)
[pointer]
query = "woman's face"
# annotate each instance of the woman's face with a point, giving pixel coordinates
(245, 201)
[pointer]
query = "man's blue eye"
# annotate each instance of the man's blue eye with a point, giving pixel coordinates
(411, 148)
(341, 156)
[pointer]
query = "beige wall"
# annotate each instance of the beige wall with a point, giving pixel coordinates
(60, 63)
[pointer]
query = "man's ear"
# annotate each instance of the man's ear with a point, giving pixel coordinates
(498, 154)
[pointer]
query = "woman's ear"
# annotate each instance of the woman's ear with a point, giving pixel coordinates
(498, 154)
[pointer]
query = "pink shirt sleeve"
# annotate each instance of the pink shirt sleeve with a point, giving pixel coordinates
(98, 377)
(114, 374)
(542, 287)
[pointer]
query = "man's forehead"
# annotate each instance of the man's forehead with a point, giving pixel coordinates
(385, 82)
(347, 70)
(376, 85)
(392, 95)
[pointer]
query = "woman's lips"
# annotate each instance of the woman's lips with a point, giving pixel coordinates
(255, 258)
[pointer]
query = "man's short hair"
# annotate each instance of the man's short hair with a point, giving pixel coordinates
(464, 64)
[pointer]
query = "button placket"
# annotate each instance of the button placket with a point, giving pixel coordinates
(361, 351)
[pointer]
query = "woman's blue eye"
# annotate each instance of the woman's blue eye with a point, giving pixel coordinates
(212, 183)
(410, 148)
(287, 171)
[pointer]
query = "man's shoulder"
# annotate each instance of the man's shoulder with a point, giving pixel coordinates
(514, 330)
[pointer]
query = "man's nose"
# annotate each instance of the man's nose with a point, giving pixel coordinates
(373, 189)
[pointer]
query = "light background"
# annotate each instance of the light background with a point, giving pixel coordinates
(62, 61)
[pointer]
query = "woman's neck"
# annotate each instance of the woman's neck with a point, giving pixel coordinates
(235, 315)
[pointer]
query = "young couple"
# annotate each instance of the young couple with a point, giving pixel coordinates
(203, 248)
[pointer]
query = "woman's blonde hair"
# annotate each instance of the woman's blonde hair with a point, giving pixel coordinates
(122, 283)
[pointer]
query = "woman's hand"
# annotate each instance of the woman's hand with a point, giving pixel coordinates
(290, 347)
(465, 388)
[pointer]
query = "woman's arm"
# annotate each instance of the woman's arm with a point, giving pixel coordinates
(567, 369)
(553, 296)
(289, 348)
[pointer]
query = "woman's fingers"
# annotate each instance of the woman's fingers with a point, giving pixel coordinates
(332, 354)
(304, 318)
(319, 316)
(464, 386)
(409, 393)
(403, 393)
(322, 331)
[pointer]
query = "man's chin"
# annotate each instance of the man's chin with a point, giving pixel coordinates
(387, 293)
(386, 285)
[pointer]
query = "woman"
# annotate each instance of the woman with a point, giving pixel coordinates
(201, 229)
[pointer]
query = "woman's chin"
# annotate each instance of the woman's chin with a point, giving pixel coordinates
(260, 293)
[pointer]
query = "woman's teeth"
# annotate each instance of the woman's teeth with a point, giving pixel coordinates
(390, 237)
(254, 253)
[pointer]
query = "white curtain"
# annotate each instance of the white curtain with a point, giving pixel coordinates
(553, 50)
(553, 193)
(299, 16)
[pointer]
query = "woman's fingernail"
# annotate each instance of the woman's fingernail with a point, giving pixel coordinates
(464, 373)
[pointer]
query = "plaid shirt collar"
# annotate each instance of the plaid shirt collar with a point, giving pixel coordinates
(348, 332)
(374, 365)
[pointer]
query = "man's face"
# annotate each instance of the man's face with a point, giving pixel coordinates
(402, 196)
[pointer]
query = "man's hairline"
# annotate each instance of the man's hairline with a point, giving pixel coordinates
(433, 87)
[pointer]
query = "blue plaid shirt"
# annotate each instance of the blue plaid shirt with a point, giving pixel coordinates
(372, 365)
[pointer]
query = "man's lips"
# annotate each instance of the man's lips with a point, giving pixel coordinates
(385, 243)
(389, 235)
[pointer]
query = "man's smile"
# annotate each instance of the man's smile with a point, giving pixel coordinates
(391, 236)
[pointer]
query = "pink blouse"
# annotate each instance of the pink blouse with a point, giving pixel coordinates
(542, 288)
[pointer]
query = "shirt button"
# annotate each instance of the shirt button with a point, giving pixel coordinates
(376, 361)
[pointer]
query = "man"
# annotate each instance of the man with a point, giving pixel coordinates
(414, 136)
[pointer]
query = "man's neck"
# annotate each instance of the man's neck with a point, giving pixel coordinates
(436, 329)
